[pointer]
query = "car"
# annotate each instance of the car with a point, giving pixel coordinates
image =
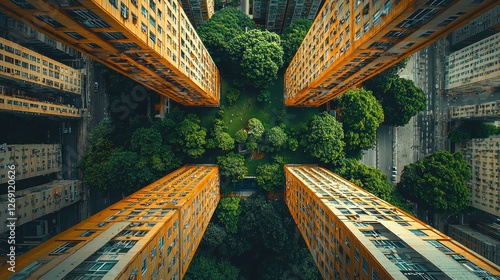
(96, 87)
(394, 168)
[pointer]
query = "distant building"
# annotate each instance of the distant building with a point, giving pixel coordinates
(30, 160)
(475, 68)
(353, 234)
(277, 15)
(478, 242)
(483, 26)
(350, 42)
(488, 110)
(483, 157)
(36, 202)
(151, 234)
(198, 11)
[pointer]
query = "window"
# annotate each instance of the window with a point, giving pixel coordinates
(87, 233)
(418, 232)
(356, 254)
(114, 3)
(153, 254)
(365, 266)
(152, 21)
(161, 242)
(144, 266)
(144, 11)
(152, 5)
(347, 242)
(152, 36)
(375, 275)
(144, 28)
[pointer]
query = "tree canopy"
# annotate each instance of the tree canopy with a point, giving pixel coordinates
(437, 182)
(220, 29)
(323, 138)
(228, 212)
(191, 136)
(361, 116)
(275, 138)
(255, 128)
(232, 166)
(210, 268)
(257, 55)
(270, 177)
(292, 38)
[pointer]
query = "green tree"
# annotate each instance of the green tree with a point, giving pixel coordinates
(191, 136)
(232, 166)
(228, 212)
(240, 136)
(270, 177)
(323, 138)
(232, 95)
(224, 141)
(457, 135)
(122, 172)
(264, 95)
(437, 182)
(292, 38)
(257, 55)
(361, 116)
(293, 144)
(214, 236)
(220, 29)
(255, 128)
(276, 138)
(210, 268)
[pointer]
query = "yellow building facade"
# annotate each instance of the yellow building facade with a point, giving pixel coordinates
(151, 42)
(352, 41)
(353, 234)
(151, 234)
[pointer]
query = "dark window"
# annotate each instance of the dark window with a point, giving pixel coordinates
(75, 35)
(50, 21)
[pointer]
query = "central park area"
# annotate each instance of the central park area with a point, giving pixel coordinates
(253, 134)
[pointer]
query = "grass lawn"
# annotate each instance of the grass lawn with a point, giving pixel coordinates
(247, 107)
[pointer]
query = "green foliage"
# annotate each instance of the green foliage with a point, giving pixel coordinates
(270, 177)
(232, 95)
(323, 138)
(472, 129)
(240, 136)
(437, 182)
(232, 166)
(209, 268)
(293, 144)
(224, 141)
(191, 136)
(251, 144)
(369, 178)
(276, 138)
(361, 117)
(214, 236)
(220, 29)
(264, 95)
(292, 38)
(228, 212)
(255, 128)
(257, 56)
(457, 135)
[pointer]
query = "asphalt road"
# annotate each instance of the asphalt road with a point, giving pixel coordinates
(385, 149)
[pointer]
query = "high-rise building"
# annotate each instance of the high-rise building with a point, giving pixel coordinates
(483, 26)
(29, 160)
(353, 234)
(151, 234)
(474, 68)
(277, 15)
(483, 157)
(151, 42)
(488, 110)
(484, 245)
(350, 42)
(36, 202)
(198, 11)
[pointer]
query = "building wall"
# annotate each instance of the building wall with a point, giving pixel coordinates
(28, 106)
(352, 234)
(483, 110)
(22, 64)
(350, 42)
(480, 243)
(483, 157)
(198, 11)
(151, 234)
(30, 160)
(474, 68)
(36, 202)
(151, 42)
(483, 26)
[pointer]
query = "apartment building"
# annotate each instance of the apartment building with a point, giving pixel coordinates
(353, 234)
(151, 234)
(483, 157)
(151, 42)
(198, 11)
(350, 42)
(487, 110)
(482, 244)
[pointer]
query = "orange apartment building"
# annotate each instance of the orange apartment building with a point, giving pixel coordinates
(151, 42)
(353, 234)
(151, 234)
(198, 11)
(352, 41)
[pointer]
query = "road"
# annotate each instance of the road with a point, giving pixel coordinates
(385, 149)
